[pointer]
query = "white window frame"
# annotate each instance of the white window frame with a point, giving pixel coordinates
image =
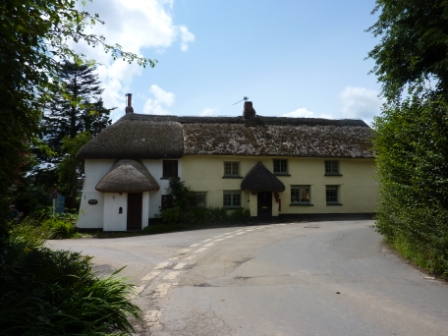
(231, 199)
(298, 199)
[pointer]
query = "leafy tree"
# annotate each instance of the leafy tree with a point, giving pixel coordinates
(413, 47)
(69, 169)
(34, 35)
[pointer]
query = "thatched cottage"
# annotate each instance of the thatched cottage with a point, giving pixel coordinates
(275, 167)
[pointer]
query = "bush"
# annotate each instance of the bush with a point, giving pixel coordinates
(239, 215)
(44, 292)
(58, 228)
(171, 215)
(412, 159)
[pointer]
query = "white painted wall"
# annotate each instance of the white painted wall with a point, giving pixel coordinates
(113, 219)
(91, 216)
(104, 214)
(145, 208)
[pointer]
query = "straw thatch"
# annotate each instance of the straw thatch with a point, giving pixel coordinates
(137, 137)
(156, 137)
(127, 176)
(260, 179)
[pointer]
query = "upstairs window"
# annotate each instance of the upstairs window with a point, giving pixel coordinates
(169, 168)
(332, 167)
(280, 166)
(231, 169)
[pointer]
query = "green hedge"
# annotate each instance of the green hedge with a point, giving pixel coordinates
(412, 158)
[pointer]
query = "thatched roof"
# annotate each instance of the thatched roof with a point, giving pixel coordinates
(127, 176)
(137, 136)
(260, 179)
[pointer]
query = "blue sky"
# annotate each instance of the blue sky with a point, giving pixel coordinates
(291, 58)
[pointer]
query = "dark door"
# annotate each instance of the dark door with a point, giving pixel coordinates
(134, 215)
(265, 204)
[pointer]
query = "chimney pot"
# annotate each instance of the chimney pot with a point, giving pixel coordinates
(129, 109)
(249, 111)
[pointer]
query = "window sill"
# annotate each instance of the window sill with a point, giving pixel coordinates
(232, 177)
(168, 177)
(281, 174)
(301, 204)
(232, 207)
(334, 204)
(333, 175)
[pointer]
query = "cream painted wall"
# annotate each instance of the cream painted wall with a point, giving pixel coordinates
(358, 189)
(91, 216)
(113, 219)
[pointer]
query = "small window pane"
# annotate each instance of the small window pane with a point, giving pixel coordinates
(331, 167)
(170, 168)
(300, 194)
(231, 168)
(332, 194)
(200, 199)
(232, 199)
(280, 166)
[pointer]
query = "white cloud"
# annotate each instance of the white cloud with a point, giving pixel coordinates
(185, 38)
(209, 112)
(304, 113)
(162, 99)
(136, 25)
(360, 103)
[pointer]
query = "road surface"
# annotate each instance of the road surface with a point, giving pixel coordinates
(321, 278)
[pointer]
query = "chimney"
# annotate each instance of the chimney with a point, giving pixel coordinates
(129, 109)
(249, 111)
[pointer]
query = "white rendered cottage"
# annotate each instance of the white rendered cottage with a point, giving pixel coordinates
(292, 168)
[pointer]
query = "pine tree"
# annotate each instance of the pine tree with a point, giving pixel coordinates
(77, 108)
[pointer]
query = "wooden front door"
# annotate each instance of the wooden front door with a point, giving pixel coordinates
(134, 215)
(264, 205)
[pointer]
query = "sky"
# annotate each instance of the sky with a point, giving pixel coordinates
(292, 58)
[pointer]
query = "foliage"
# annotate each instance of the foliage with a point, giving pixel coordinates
(171, 215)
(413, 46)
(76, 107)
(180, 194)
(44, 225)
(44, 292)
(69, 169)
(412, 157)
(34, 36)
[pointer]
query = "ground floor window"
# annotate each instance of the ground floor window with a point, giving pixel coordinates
(201, 200)
(232, 199)
(300, 194)
(167, 202)
(332, 194)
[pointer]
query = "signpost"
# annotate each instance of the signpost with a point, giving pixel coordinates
(54, 195)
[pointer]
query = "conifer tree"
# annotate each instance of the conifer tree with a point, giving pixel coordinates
(78, 108)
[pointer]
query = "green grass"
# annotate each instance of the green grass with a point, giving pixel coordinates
(410, 251)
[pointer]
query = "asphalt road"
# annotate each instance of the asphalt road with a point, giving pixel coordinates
(323, 278)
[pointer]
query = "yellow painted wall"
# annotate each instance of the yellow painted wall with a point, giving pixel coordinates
(357, 185)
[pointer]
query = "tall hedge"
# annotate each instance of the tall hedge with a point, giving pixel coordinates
(412, 157)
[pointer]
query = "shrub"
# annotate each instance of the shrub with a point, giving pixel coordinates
(411, 146)
(58, 228)
(171, 215)
(44, 292)
(239, 215)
